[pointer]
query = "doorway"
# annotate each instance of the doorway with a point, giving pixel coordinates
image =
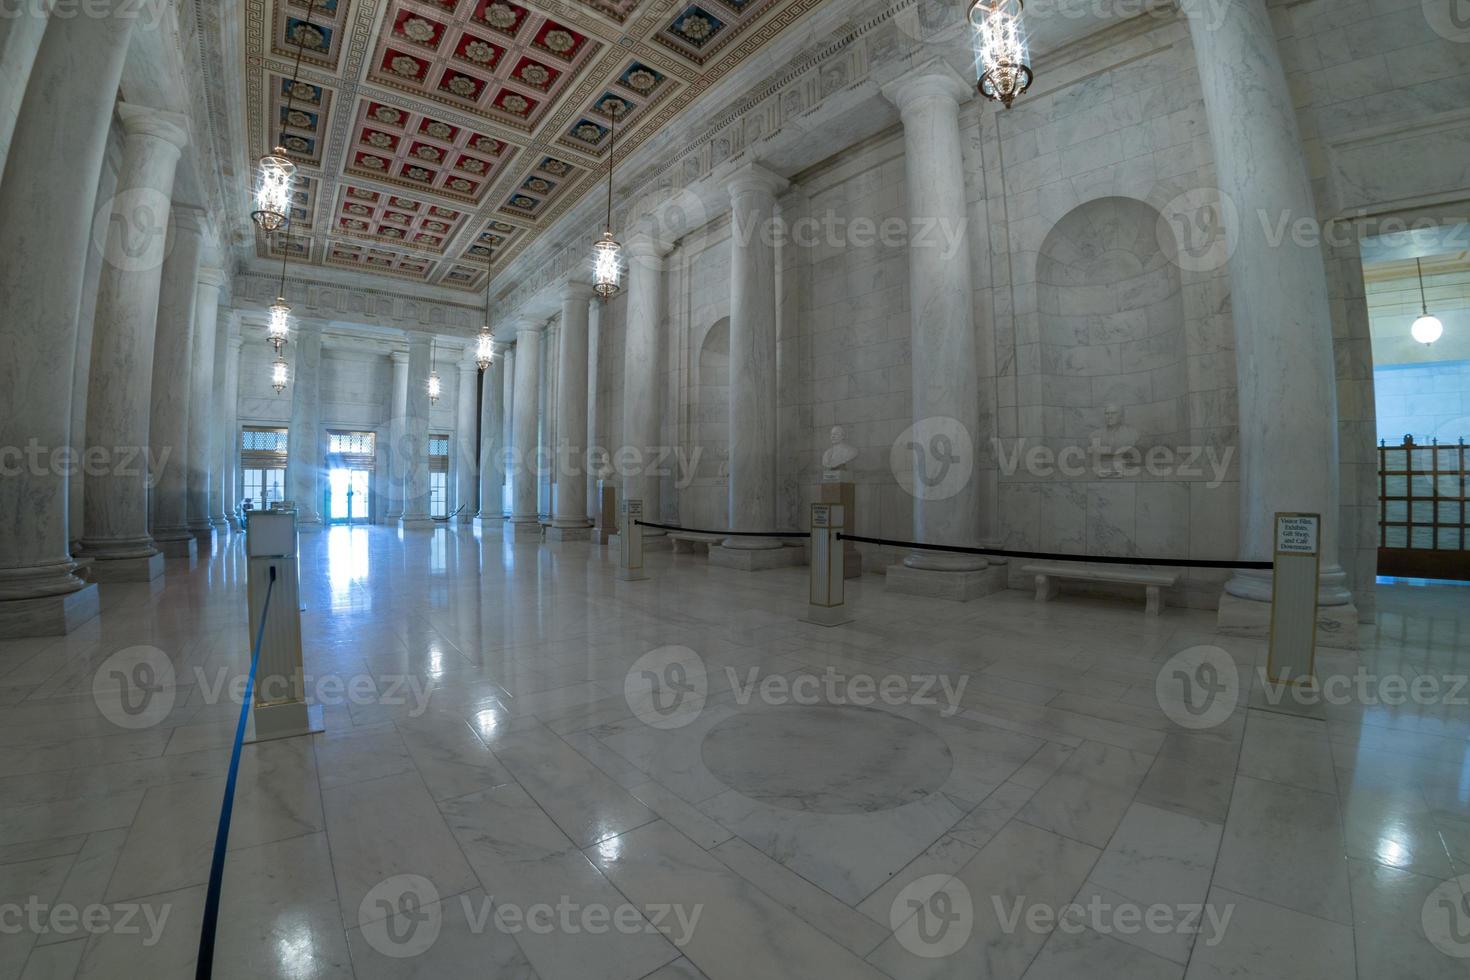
(350, 461)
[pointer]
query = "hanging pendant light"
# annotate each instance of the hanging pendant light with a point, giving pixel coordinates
(278, 331)
(434, 384)
(606, 251)
(1000, 49)
(279, 374)
(276, 175)
(485, 343)
(1428, 328)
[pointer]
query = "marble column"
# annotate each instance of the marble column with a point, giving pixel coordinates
(47, 200)
(396, 476)
(115, 505)
(1284, 357)
(230, 476)
(946, 410)
(642, 393)
(219, 439)
(507, 426)
(304, 483)
(466, 439)
(169, 401)
(492, 444)
(415, 454)
(594, 460)
(201, 403)
(569, 522)
(20, 41)
(525, 458)
(753, 191)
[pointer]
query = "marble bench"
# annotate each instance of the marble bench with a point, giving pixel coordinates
(1152, 582)
(693, 541)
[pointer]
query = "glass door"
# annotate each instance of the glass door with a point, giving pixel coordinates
(347, 496)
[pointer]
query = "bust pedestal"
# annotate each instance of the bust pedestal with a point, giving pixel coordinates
(607, 512)
(837, 489)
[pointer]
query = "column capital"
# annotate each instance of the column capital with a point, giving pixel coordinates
(399, 358)
(932, 81)
(236, 342)
(142, 120)
(645, 247)
(467, 362)
(210, 276)
(755, 179)
(574, 289)
(417, 338)
(188, 219)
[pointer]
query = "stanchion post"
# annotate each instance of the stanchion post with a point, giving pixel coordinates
(826, 602)
(280, 708)
(630, 543)
(1293, 650)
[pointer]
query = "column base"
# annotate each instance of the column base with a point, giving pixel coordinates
(651, 542)
(560, 534)
(827, 615)
(955, 586)
(52, 615)
(406, 523)
(1337, 626)
(142, 569)
(178, 547)
(234, 523)
(747, 560)
(852, 562)
(204, 535)
(218, 522)
(601, 535)
(525, 530)
(492, 523)
(309, 526)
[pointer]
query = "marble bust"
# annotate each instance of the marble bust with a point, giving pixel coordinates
(1114, 443)
(603, 468)
(840, 452)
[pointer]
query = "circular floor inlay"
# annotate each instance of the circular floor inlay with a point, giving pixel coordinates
(827, 759)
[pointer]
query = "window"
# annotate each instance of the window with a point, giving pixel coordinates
(263, 487)
(438, 476)
(263, 465)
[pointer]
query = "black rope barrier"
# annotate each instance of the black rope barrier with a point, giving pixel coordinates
(1053, 556)
(727, 534)
(204, 964)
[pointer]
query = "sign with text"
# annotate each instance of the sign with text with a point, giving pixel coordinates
(826, 600)
(1294, 598)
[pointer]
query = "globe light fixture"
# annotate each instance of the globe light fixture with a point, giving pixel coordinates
(1427, 328)
(1000, 49)
(606, 252)
(279, 374)
(485, 343)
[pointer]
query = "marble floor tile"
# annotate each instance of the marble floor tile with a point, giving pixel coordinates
(1087, 953)
(1089, 794)
(1265, 940)
(1288, 749)
(454, 937)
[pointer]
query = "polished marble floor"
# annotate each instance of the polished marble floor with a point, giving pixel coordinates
(531, 769)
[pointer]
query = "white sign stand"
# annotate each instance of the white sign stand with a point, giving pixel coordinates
(1294, 599)
(825, 604)
(630, 543)
(281, 710)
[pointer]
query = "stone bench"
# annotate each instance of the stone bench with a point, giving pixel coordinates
(1152, 582)
(692, 541)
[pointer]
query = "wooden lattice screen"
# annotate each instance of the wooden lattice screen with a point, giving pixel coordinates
(1422, 511)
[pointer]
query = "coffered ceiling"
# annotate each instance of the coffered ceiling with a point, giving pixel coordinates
(429, 131)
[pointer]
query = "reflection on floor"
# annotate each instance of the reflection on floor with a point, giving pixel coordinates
(531, 769)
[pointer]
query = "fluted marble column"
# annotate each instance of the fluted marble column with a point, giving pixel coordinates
(230, 475)
(201, 403)
(594, 343)
(169, 401)
(466, 441)
(507, 426)
(753, 191)
(941, 310)
(115, 504)
(47, 200)
(20, 41)
(396, 476)
(219, 443)
(569, 522)
(642, 393)
(415, 454)
(1278, 294)
(525, 458)
(304, 483)
(492, 444)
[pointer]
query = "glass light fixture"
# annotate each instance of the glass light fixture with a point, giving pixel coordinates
(279, 374)
(434, 383)
(485, 343)
(278, 330)
(1000, 49)
(606, 251)
(276, 174)
(1427, 329)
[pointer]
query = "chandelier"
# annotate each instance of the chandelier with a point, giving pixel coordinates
(434, 383)
(278, 374)
(1427, 329)
(606, 250)
(1000, 49)
(277, 173)
(485, 343)
(278, 331)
